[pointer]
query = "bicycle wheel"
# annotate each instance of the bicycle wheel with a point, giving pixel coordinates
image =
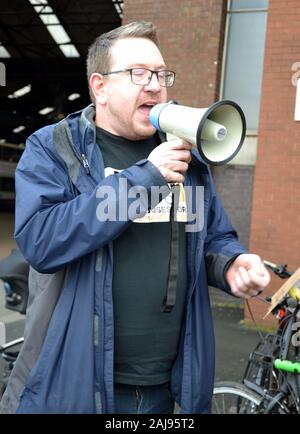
(234, 398)
(2, 388)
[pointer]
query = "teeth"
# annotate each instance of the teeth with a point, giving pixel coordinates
(148, 105)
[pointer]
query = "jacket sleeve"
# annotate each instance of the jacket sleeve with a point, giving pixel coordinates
(53, 227)
(221, 244)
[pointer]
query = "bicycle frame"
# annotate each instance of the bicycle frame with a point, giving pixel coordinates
(275, 377)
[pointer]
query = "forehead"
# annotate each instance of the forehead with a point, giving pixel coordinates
(136, 52)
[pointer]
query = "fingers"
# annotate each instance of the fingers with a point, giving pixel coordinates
(177, 166)
(181, 155)
(172, 176)
(180, 151)
(173, 170)
(247, 276)
(179, 144)
(249, 283)
(241, 285)
(172, 159)
(260, 279)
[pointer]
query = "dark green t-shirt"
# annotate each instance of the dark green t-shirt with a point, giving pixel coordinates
(146, 340)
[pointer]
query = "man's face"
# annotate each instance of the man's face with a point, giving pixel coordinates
(124, 109)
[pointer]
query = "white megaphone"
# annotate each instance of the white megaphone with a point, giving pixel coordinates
(218, 131)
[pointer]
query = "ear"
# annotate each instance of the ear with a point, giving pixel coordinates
(98, 87)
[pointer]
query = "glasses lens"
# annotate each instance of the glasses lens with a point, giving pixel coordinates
(143, 76)
(140, 76)
(166, 78)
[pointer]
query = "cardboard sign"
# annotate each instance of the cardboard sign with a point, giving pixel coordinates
(283, 290)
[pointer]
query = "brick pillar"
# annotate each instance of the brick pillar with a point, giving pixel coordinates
(275, 230)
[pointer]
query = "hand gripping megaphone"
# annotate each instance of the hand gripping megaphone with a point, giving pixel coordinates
(218, 131)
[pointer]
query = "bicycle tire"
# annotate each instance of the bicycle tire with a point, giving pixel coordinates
(230, 397)
(2, 388)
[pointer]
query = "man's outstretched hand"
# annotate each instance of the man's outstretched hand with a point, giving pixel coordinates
(247, 276)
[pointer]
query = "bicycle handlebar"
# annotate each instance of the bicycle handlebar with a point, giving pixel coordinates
(290, 299)
(280, 270)
(287, 366)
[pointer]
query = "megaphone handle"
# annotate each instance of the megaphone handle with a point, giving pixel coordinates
(171, 137)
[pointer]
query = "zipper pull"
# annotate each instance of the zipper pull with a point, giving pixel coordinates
(85, 164)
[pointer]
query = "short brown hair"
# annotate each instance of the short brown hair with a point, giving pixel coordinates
(98, 58)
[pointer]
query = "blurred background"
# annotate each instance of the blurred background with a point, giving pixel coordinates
(243, 50)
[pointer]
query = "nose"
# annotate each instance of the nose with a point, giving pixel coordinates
(154, 85)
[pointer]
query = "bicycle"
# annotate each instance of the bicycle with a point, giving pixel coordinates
(271, 382)
(14, 273)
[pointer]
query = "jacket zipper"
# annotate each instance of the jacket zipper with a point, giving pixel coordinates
(194, 248)
(85, 163)
(81, 158)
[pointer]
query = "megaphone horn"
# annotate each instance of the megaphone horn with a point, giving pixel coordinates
(218, 131)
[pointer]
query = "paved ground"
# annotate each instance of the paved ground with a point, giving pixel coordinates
(234, 342)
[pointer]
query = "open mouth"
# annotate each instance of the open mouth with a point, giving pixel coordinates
(145, 108)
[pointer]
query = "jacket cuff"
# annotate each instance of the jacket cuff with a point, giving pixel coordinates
(217, 266)
(226, 267)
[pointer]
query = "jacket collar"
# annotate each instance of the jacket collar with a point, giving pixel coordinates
(87, 118)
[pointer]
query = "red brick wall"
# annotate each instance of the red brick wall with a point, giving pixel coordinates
(189, 32)
(275, 230)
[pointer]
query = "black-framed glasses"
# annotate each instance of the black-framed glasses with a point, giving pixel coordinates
(143, 76)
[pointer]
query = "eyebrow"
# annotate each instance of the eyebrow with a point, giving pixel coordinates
(143, 65)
